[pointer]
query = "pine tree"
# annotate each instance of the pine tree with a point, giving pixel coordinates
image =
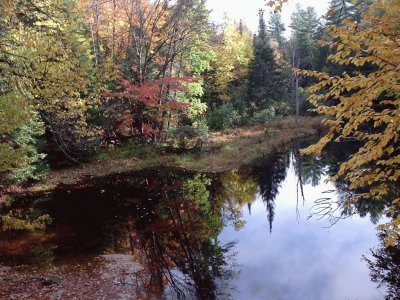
(305, 24)
(265, 84)
(339, 10)
(276, 28)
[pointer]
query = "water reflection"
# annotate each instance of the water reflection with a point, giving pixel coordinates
(302, 259)
(164, 218)
(270, 175)
(176, 240)
(240, 234)
(385, 267)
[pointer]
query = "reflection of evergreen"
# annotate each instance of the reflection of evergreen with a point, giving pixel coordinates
(310, 170)
(385, 268)
(364, 207)
(270, 174)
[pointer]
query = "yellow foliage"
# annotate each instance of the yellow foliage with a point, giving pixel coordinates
(233, 57)
(48, 66)
(366, 104)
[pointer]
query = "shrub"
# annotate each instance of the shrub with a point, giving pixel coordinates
(188, 136)
(223, 117)
(263, 116)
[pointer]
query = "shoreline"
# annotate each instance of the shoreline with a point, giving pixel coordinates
(226, 150)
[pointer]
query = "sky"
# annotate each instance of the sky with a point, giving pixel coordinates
(247, 10)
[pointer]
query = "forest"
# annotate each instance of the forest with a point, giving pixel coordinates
(97, 87)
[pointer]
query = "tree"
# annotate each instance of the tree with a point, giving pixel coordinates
(270, 176)
(305, 24)
(302, 50)
(232, 191)
(339, 10)
(146, 38)
(365, 107)
(276, 28)
(264, 75)
(385, 268)
(46, 81)
(147, 108)
(46, 63)
(230, 67)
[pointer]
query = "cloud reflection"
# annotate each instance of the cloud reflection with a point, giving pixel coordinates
(302, 259)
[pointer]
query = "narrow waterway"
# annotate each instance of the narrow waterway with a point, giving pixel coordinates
(268, 232)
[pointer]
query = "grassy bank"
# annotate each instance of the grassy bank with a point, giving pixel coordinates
(230, 149)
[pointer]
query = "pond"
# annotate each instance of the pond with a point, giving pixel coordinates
(272, 231)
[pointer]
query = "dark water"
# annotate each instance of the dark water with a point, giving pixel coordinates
(262, 233)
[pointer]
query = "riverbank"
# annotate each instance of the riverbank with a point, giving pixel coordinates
(227, 150)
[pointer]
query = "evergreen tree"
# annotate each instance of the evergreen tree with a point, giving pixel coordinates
(340, 10)
(276, 28)
(265, 84)
(305, 25)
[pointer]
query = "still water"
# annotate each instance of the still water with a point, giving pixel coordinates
(300, 258)
(268, 232)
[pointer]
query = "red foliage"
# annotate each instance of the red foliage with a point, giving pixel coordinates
(151, 104)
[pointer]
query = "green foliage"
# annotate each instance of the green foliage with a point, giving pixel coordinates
(234, 190)
(305, 25)
(223, 117)
(230, 68)
(282, 109)
(201, 128)
(198, 56)
(339, 10)
(265, 75)
(195, 191)
(45, 58)
(26, 140)
(188, 136)
(16, 220)
(276, 29)
(130, 150)
(193, 96)
(263, 116)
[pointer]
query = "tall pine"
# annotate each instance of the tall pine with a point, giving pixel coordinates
(276, 28)
(340, 10)
(265, 86)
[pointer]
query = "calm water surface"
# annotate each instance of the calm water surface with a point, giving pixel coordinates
(182, 235)
(302, 258)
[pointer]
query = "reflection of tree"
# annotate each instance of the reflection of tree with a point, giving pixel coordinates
(270, 176)
(385, 268)
(335, 154)
(164, 217)
(335, 204)
(363, 208)
(176, 241)
(309, 169)
(232, 190)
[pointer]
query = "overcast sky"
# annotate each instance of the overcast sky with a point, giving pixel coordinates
(247, 10)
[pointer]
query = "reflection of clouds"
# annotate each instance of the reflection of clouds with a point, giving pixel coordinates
(302, 259)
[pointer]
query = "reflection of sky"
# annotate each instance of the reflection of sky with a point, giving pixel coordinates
(302, 259)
